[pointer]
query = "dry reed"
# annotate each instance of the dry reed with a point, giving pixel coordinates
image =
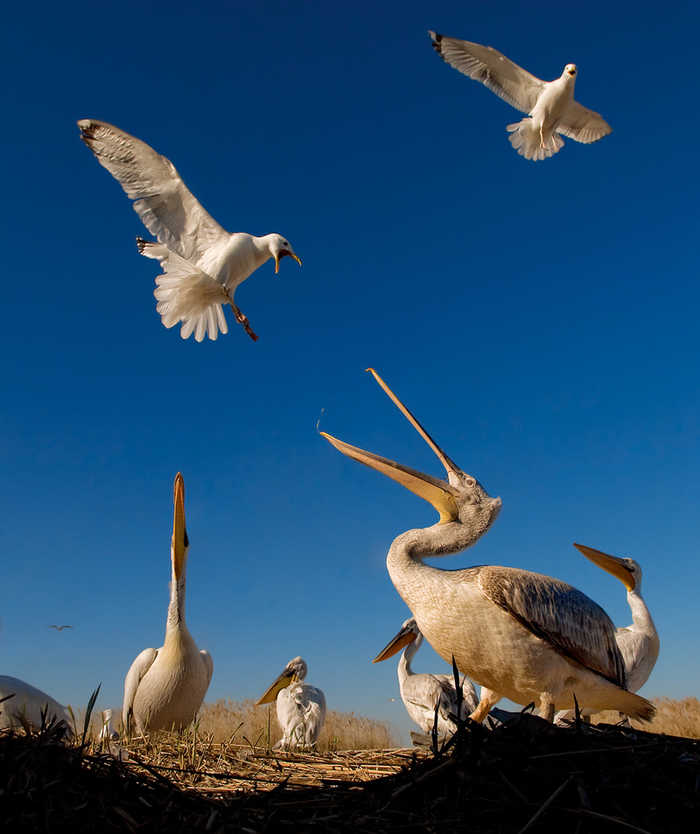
(242, 721)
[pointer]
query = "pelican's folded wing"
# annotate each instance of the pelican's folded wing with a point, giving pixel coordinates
(559, 614)
(166, 206)
(583, 125)
(502, 76)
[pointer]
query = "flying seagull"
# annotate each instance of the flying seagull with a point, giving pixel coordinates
(60, 627)
(550, 105)
(202, 263)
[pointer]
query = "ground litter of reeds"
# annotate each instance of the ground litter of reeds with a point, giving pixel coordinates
(524, 776)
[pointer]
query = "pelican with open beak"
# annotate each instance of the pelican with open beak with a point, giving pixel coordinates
(165, 687)
(301, 708)
(519, 634)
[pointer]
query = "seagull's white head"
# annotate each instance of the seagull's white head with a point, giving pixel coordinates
(570, 71)
(279, 247)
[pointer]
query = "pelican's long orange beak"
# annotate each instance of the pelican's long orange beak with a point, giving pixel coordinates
(180, 542)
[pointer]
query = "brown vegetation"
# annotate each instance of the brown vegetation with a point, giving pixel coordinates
(228, 720)
(524, 776)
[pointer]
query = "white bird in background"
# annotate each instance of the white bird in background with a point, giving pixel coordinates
(202, 263)
(638, 643)
(165, 687)
(301, 708)
(60, 627)
(550, 105)
(20, 700)
(107, 732)
(518, 634)
(421, 693)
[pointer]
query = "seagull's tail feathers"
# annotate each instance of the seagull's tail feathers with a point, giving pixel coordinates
(525, 138)
(185, 293)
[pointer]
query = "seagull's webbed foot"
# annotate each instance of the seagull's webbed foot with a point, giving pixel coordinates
(242, 319)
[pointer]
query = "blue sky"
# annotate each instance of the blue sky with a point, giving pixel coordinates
(540, 319)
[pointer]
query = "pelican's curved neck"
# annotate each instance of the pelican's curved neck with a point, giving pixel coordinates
(405, 558)
(641, 618)
(404, 668)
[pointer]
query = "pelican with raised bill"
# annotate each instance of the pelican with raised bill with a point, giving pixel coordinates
(21, 703)
(421, 692)
(301, 708)
(518, 634)
(639, 642)
(165, 687)
(202, 263)
(552, 110)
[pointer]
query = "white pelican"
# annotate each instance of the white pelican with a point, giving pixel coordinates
(520, 635)
(202, 263)
(421, 693)
(165, 687)
(20, 700)
(301, 708)
(108, 732)
(639, 642)
(550, 105)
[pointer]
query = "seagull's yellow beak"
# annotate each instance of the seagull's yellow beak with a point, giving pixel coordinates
(611, 564)
(403, 638)
(435, 491)
(275, 688)
(180, 542)
(281, 254)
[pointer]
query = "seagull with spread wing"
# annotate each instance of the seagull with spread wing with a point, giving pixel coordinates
(202, 263)
(550, 105)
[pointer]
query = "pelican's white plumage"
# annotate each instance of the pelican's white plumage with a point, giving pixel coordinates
(639, 642)
(301, 708)
(20, 701)
(202, 263)
(422, 692)
(165, 687)
(518, 634)
(550, 105)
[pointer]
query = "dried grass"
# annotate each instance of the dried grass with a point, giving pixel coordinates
(524, 776)
(242, 721)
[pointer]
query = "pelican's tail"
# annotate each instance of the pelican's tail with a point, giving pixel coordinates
(525, 138)
(185, 293)
(615, 698)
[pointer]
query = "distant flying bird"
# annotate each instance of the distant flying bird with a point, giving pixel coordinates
(60, 627)
(202, 263)
(421, 693)
(301, 708)
(165, 687)
(20, 701)
(518, 634)
(550, 105)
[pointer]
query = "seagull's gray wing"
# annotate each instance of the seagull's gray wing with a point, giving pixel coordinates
(583, 125)
(166, 206)
(486, 64)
